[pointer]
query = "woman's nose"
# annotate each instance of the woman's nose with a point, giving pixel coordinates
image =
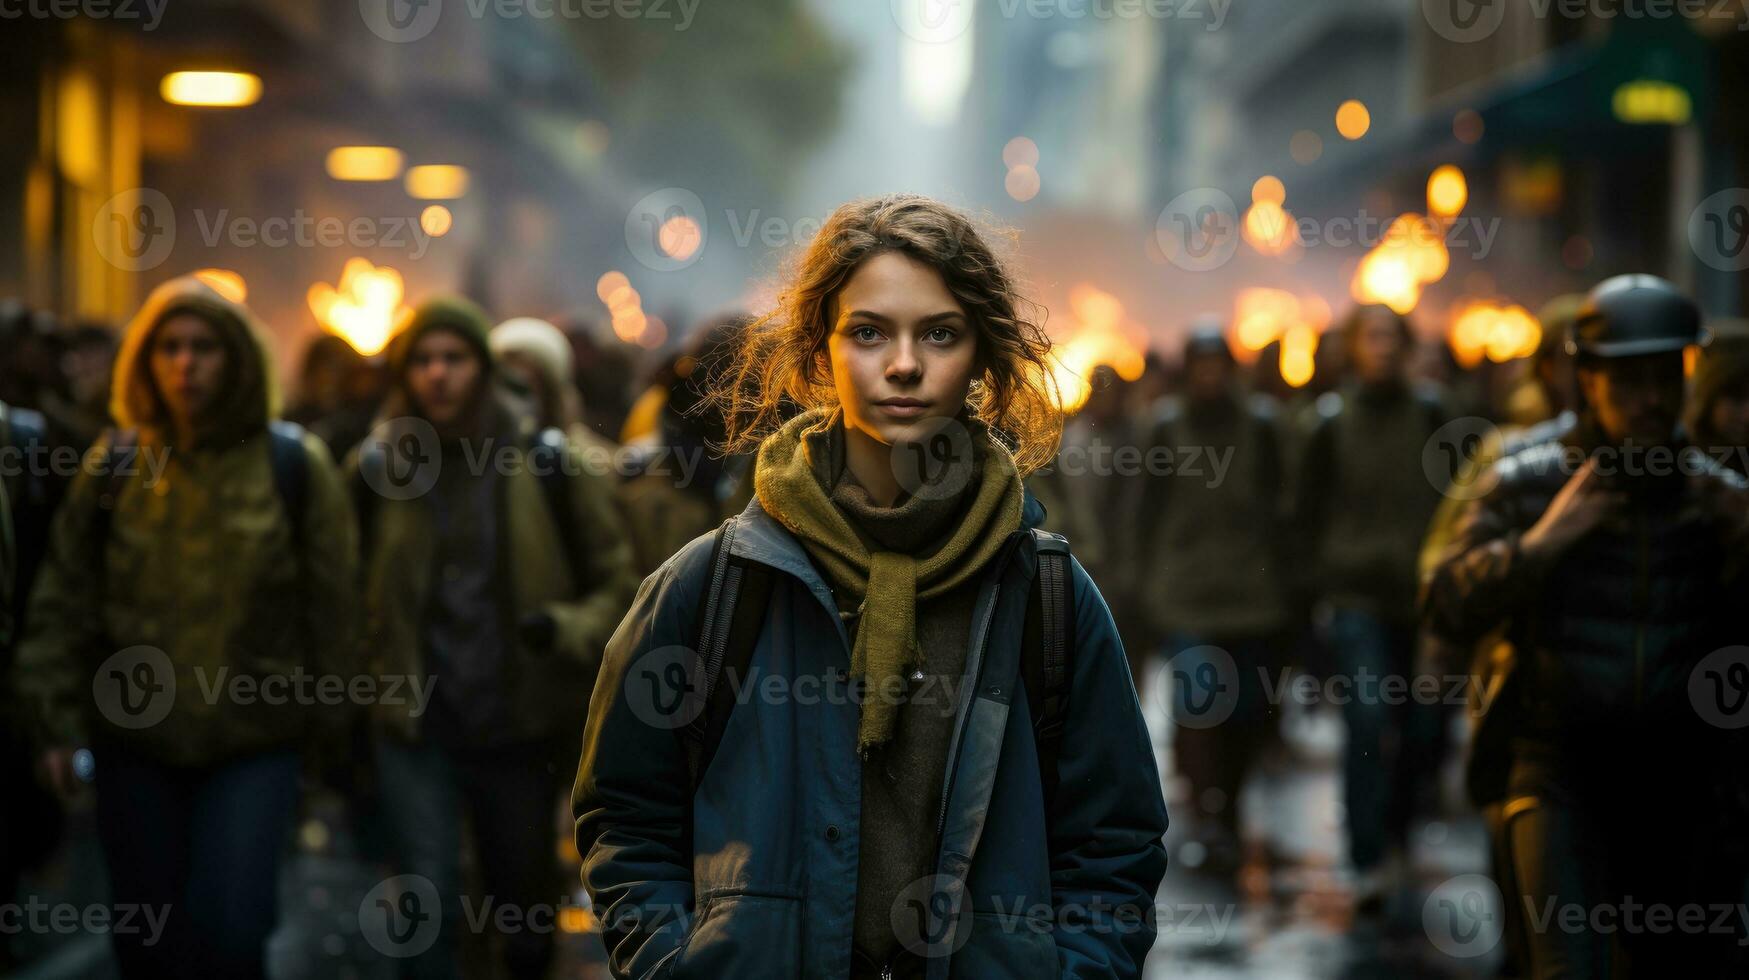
(904, 363)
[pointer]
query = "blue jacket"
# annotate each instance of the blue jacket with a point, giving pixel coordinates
(756, 874)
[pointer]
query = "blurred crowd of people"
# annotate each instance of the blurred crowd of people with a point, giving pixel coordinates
(1397, 517)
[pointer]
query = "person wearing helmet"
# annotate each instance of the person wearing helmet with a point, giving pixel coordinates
(1606, 559)
(1546, 395)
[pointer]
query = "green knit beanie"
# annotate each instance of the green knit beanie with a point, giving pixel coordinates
(453, 313)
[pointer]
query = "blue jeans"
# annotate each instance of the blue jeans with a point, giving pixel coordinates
(203, 846)
(510, 795)
(1393, 743)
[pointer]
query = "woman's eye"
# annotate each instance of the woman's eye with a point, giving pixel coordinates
(942, 335)
(865, 333)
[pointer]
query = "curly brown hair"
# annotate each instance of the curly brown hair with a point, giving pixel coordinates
(782, 364)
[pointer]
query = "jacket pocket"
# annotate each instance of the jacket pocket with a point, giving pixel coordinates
(744, 935)
(1018, 947)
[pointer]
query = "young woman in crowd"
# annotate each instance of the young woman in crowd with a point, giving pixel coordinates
(812, 749)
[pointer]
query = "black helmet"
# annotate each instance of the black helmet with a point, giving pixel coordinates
(1625, 316)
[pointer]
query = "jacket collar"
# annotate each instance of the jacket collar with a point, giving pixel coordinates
(759, 537)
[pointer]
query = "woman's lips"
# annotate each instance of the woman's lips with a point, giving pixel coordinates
(903, 410)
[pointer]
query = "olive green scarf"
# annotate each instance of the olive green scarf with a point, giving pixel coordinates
(890, 584)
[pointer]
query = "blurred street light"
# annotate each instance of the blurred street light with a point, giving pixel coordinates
(1412, 254)
(1447, 192)
(1102, 334)
(1353, 119)
(436, 220)
(218, 89)
(364, 163)
(437, 182)
(679, 237)
(1649, 102)
(1299, 349)
(1483, 329)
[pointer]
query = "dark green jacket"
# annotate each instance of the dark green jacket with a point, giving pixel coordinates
(173, 629)
(1365, 496)
(1209, 533)
(585, 591)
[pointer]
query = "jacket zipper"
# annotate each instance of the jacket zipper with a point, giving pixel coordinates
(982, 636)
(979, 637)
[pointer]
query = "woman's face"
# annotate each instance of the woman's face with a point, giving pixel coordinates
(903, 351)
(188, 366)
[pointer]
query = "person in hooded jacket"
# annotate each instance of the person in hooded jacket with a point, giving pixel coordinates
(180, 564)
(494, 573)
(876, 805)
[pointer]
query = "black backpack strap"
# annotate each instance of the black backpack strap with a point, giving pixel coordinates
(731, 613)
(1047, 651)
(291, 473)
(547, 456)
